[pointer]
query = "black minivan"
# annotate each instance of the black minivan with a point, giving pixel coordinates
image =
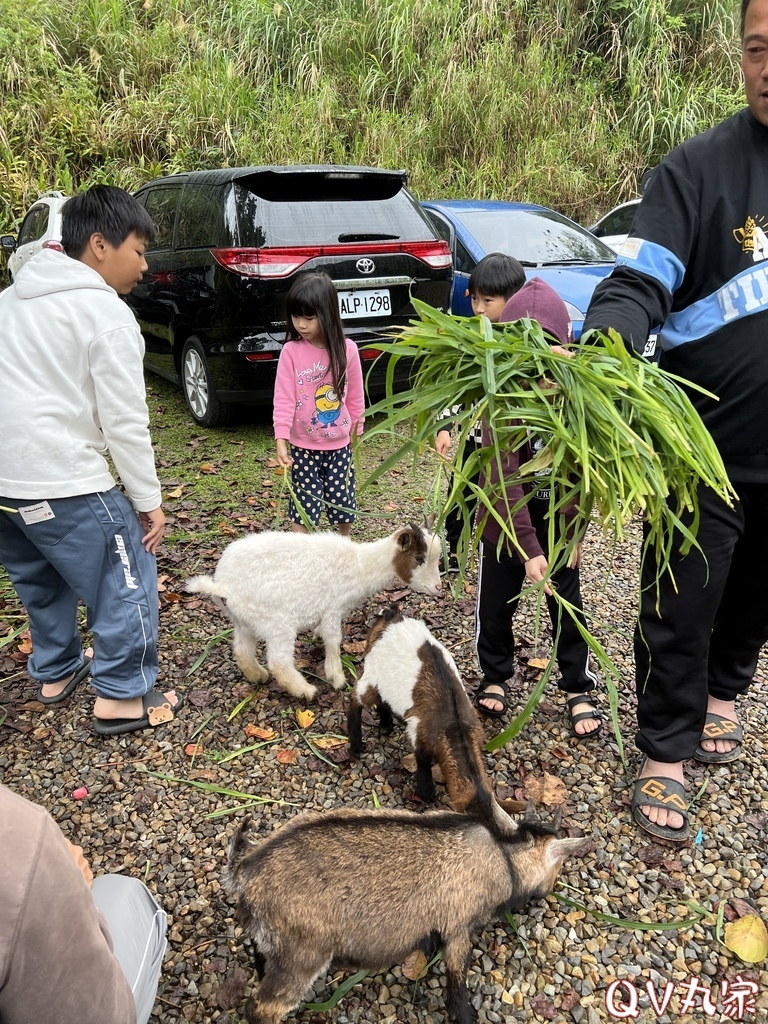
(229, 244)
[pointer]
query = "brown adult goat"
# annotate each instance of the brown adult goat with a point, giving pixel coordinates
(366, 888)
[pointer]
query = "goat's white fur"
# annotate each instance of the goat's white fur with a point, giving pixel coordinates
(274, 585)
(393, 666)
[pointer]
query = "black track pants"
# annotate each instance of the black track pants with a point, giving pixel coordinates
(500, 579)
(705, 637)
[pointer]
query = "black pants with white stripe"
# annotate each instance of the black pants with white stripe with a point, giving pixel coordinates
(500, 578)
(702, 631)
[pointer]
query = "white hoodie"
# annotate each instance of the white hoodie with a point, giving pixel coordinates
(71, 387)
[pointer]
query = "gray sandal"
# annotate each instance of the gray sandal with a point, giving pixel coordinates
(669, 794)
(718, 728)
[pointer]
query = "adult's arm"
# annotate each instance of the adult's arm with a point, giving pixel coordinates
(56, 961)
(651, 265)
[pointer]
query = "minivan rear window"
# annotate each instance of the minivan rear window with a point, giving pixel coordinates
(286, 209)
(200, 221)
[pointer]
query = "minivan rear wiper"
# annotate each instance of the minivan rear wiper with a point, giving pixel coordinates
(351, 237)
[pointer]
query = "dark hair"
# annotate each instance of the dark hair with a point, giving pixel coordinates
(315, 295)
(105, 209)
(497, 274)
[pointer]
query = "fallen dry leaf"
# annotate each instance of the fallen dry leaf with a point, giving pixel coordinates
(175, 493)
(415, 965)
(547, 790)
(255, 732)
(25, 647)
(193, 749)
(231, 992)
(747, 938)
(559, 753)
(538, 662)
(742, 908)
(354, 647)
(206, 467)
(172, 597)
(328, 742)
(287, 756)
(305, 718)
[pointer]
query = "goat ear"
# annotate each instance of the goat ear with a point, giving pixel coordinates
(558, 850)
(404, 538)
(430, 520)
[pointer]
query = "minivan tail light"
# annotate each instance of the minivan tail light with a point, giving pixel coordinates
(51, 243)
(283, 261)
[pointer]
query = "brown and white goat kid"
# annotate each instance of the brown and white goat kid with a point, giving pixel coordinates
(366, 888)
(408, 672)
(273, 585)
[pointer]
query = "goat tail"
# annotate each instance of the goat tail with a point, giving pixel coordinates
(207, 585)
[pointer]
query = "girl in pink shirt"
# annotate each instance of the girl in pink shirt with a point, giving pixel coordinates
(318, 406)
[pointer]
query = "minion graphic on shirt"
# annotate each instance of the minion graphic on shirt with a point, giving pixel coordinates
(327, 404)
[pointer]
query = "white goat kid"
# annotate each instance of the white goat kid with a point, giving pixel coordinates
(273, 585)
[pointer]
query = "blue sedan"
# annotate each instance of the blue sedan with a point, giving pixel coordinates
(548, 245)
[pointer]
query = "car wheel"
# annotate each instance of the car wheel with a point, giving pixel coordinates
(199, 392)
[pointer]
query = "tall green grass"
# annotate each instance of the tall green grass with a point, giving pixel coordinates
(563, 102)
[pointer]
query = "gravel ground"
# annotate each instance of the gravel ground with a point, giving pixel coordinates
(557, 964)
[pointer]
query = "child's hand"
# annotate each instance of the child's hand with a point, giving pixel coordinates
(443, 442)
(536, 571)
(153, 523)
(283, 457)
(82, 863)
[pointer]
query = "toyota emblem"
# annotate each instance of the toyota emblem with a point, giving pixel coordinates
(365, 266)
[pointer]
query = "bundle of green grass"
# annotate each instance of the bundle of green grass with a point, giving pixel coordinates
(620, 435)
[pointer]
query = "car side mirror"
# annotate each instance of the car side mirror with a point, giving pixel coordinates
(8, 243)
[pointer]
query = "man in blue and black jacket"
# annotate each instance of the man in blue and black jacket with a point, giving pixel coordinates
(696, 261)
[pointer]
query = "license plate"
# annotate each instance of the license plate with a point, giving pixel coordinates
(364, 302)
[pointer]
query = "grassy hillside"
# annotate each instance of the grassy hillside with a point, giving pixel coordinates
(564, 102)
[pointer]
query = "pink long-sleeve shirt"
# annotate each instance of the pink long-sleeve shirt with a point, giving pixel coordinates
(306, 409)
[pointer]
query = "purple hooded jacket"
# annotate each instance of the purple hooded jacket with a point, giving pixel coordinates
(536, 300)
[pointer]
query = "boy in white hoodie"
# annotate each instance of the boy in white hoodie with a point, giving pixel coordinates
(71, 389)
